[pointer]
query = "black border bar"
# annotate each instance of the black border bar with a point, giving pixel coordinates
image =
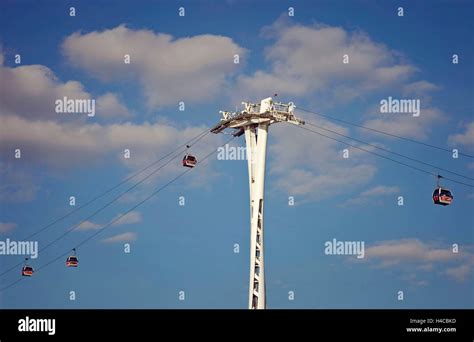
(89, 324)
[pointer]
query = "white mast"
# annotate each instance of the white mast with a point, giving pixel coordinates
(254, 121)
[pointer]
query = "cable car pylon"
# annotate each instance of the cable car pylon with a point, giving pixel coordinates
(254, 121)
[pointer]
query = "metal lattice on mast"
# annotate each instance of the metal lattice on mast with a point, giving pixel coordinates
(254, 121)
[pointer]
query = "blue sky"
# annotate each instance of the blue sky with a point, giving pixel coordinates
(190, 59)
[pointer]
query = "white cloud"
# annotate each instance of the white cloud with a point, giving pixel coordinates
(62, 146)
(60, 142)
(88, 225)
(5, 227)
(66, 144)
(380, 190)
(169, 69)
(410, 250)
(460, 272)
(372, 195)
(129, 218)
(464, 139)
(308, 59)
(110, 107)
(410, 254)
(419, 89)
(18, 183)
(313, 167)
(405, 124)
(125, 237)
(31, 92)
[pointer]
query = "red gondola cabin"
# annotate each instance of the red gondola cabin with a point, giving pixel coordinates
(189, 161)
(27, 271)
(72, 261)
(442, 196)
